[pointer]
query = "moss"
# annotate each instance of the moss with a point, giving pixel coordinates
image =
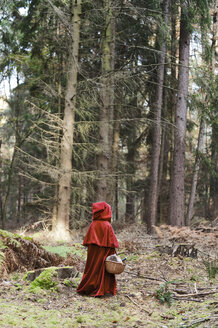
(37, 291)
(154, 254)
(194, 278)
(62, 250)
(26, 274)
(27, 316)
(45, 281)
(18, 286)
(15, 276)
(187, 259)
(68, 283)
(79, 320)
(133, 257)
(41, 301)
(28, 238)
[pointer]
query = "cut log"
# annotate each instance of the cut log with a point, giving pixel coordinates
(62, 272)
(181, 250)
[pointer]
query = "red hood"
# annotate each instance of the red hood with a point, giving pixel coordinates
(101, 211)
(100, 231)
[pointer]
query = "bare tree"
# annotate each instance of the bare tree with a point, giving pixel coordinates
(105, 182)
(195, 174)
(178, 168)
(155, 157)
(61, 226)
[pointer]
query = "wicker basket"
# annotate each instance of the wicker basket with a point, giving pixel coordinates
(114, 267)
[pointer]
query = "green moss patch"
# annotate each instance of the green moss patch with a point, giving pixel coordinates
(64, 250)
(45, 280)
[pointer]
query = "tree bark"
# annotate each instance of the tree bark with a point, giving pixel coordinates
(178, 170)
(19, 196)
(132, 146)
(153, 190)
(105, 182)
(115, 154)
(214, 138)
(195, 175)
(1, 212)
(61, 226)
(174, 74)
(8, 190)
(163, 185)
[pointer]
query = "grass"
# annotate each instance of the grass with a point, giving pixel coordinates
(63, 250)
(48, 308)
(32, 317)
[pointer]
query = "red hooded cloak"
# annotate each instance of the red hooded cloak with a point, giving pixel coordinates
(101, 242)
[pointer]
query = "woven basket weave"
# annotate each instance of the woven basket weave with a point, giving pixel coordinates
(114, 267)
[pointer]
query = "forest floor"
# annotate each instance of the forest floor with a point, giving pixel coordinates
(158, 289)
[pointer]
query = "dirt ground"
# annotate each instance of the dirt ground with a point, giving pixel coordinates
(157, 289)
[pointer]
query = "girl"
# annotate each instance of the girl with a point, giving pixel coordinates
(101, 242)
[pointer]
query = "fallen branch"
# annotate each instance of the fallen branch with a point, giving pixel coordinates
(198, 294)
(196, 322)
(145, 277)
(139, 306)
(187, 299)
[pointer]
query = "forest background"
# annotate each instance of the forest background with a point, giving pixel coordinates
(108, 100)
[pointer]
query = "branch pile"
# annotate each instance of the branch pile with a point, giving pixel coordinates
(22, 253)
(205, 238)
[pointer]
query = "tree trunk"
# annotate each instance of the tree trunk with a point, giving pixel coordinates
(61, 226)
(195, 175)
(115, 154)
(214, 138)
(19, 196)
(105, 182)
(1, 212)
(132, 146)
(163, 185)
(178, 169)
(130, 195)
(174, 74)
(8, 190)
(153, 190)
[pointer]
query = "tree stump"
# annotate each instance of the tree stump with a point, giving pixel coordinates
(62, 272)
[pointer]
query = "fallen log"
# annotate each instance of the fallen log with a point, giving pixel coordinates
(196, 294)
(61, 272)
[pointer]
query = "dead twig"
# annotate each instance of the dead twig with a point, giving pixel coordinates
(187, 299)
(196, 322)
(139, 306)
(199, 294)
(145, 277)
(195, 287)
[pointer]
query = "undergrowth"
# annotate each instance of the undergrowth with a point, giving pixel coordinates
(45, 281)
(212, 268)
(163, 294)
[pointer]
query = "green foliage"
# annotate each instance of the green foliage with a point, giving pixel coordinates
(60, 250)
(1, 257)
(2, 245)
(63, 250)
(163, 294)
(197, 11)
(34, 38)
(68, 283)
(11, 239)
(212, 268)
(45, 281)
